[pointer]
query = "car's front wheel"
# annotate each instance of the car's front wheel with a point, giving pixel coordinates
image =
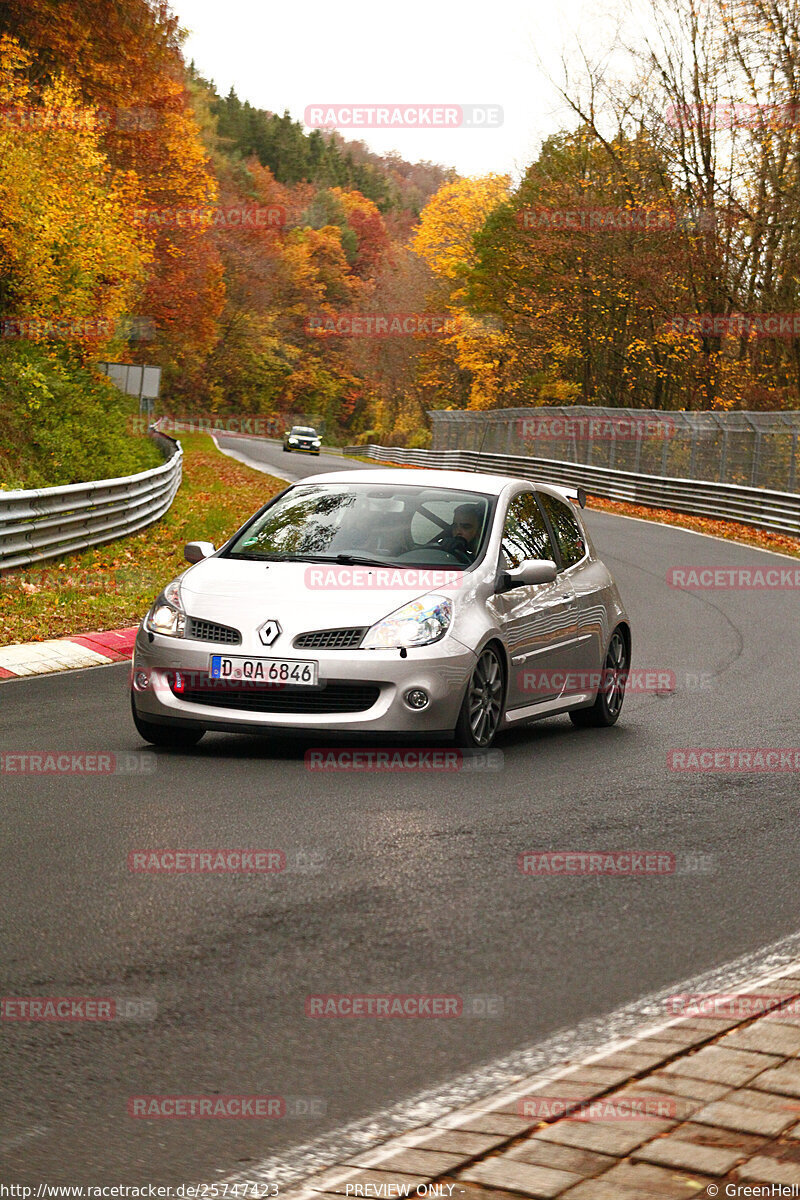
(286, 450)
(608, 705)
(165, 735)
(482, 707)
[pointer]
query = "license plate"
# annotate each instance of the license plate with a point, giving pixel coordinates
(291, 671)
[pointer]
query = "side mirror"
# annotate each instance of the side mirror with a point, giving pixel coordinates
(195, 552)
(530, 571)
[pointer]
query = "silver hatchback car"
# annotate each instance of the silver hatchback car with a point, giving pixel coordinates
(387, 602)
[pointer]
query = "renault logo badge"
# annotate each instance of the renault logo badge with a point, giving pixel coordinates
(269, 632)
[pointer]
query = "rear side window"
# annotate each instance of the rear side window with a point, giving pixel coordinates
(525, 533)
(566, 528)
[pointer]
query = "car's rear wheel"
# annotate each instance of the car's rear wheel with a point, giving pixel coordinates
(608, 705)
(482, 707)
(165, 735)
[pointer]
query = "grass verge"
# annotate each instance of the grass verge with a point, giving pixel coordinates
(112, 586)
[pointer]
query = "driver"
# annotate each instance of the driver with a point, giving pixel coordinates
(467, 525)
(463, 534)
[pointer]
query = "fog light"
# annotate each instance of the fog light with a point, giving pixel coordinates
(141, 681)
(416, 698)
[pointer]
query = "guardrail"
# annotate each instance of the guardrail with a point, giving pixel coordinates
(46, 522)
(776, 511)
(744, 449)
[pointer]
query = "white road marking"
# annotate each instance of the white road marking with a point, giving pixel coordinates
(252, 462)
(698, 532)
(11, 1143)
(592, 1039)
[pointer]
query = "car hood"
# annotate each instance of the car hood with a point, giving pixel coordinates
(302, 596)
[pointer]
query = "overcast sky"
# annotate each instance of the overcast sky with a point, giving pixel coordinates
(455, 52)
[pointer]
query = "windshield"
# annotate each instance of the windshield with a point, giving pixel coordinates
(394, 525)
(303, 430)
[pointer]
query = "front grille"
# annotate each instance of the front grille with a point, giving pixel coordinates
(253, 697)
(330, 639)
(208, 631)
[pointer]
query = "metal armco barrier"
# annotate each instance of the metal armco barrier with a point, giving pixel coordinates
(745, 449)
(776, 511)
(47, 522)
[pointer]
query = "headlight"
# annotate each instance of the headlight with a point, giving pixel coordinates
(416, 624)
(292, 441)
(167, 616)
(316, 442)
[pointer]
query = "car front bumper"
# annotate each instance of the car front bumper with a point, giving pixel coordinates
(442, 670)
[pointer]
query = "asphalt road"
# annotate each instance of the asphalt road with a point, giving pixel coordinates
(292, 465)
(417, 888)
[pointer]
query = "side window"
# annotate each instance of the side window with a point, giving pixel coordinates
(566, 528)
(525, 533)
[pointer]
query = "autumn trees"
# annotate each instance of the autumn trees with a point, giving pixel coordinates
(101, 138)
(650, 256)
(707, 98)
(144, 216)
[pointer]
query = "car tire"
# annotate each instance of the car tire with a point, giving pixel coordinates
(165, 735)
(482, 706)
(608, 705)
(286, 450)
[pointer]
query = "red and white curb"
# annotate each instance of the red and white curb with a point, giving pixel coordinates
(67, 654)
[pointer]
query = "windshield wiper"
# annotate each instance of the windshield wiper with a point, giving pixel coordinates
(353, 560)
(347, 559)
(262, 557)
(360, 561)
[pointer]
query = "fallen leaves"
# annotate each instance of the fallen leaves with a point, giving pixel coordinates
(735, 531)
